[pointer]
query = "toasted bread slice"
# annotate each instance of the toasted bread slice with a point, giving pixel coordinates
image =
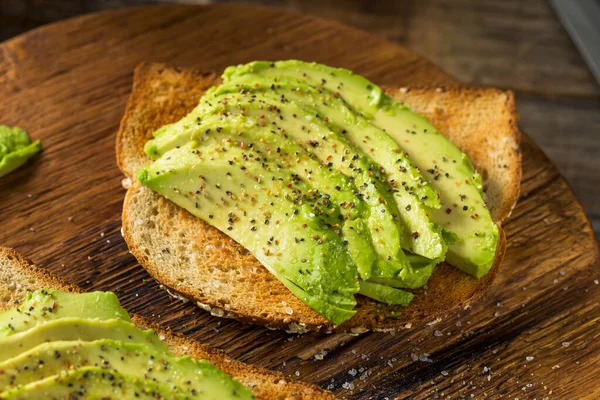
(198, 262)
(18, 275)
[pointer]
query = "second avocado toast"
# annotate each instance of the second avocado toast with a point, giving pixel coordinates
(262, 133)
(69, 356)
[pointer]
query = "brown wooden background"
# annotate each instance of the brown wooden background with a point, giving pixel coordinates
(533, 335)
(512, 44)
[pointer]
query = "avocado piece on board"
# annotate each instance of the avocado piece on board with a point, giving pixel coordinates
(448, 170)
(385, 294)
(47, 304)
(411, 191)
(15, 148)
(136, 360)
(246, 201)
(74, 328)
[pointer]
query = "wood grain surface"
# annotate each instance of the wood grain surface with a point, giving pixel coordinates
(533, 335)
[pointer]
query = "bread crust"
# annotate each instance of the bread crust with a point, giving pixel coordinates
(198, 262)
(18, 275)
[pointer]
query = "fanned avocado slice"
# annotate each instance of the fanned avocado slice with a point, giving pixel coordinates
(137, 360)
(45, 305)
(95, 383)
(77, 328)
(448, 170)
(247, 201)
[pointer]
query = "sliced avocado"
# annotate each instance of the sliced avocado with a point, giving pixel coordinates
(247, 202)
(46, 304)
(411, 191)
(416, 275)
(337, 193)
(385, 294)
(73, 328)
(288, 154)
(463, 211)
(95, 383)
(277, 145)
(290, 122)
(134, 359)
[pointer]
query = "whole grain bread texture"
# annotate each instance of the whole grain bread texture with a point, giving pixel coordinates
(198, 262)
(18, 275)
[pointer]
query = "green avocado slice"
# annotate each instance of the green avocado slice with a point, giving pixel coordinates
(73, 328)
(134, 359)
(45, 305)
(15, 148)
(247, 201)
(463, 211)
(94, 383)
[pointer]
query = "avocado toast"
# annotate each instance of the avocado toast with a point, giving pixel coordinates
(47, 308)
(199, 262)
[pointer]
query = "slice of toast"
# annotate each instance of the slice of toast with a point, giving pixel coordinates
(18, 275)
(198, 262)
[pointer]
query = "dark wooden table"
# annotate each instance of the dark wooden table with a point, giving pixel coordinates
(505, 43)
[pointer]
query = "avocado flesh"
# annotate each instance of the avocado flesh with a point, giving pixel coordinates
(41, 306)
(134, 359)
(385, 294)
(84, 345)
(332, 150)
(94, 383)
(76, 328)
(415, 276)
(294, 146)
(288, 155)
(15, 148)
(249, 203)
(477, 235)
(410, 189)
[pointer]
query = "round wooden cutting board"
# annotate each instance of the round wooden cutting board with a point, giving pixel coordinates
(533, 335)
